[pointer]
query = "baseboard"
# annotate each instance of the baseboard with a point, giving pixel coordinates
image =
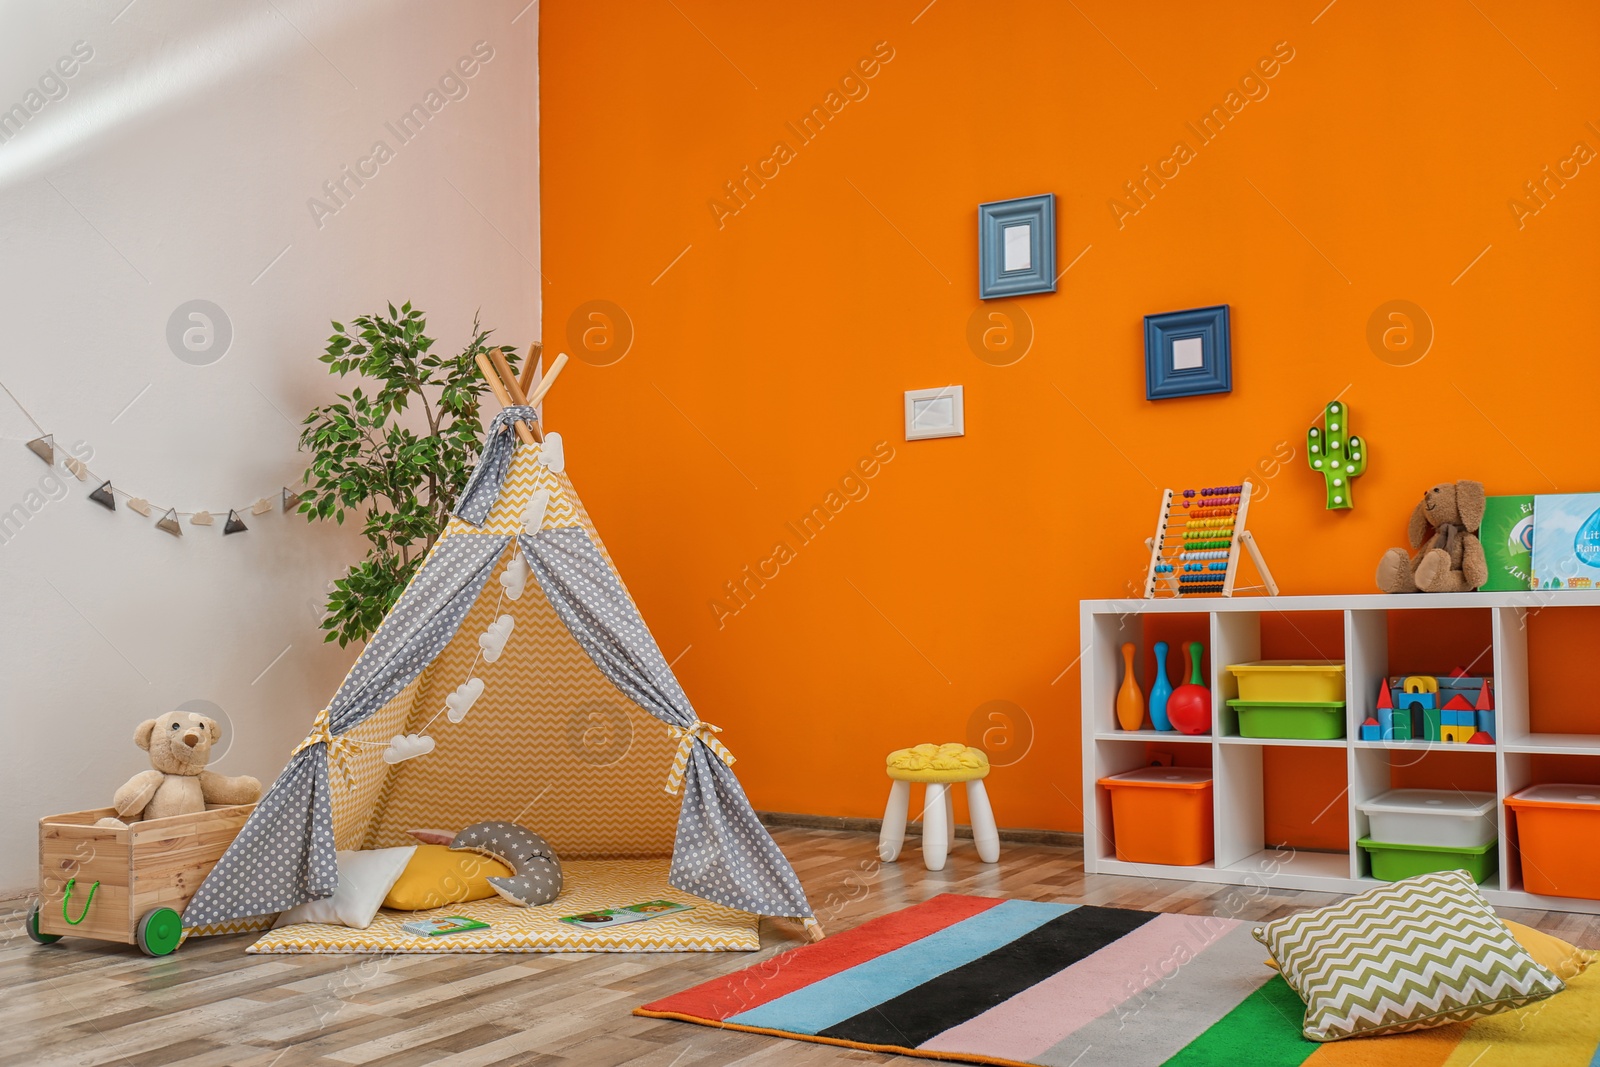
(1061, 838)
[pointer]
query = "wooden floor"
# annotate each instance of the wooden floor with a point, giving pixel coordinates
(93, 1003)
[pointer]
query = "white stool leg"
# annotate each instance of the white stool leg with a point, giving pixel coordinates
(935, 827)
(893, 833)
(950, 817)
(984, 834)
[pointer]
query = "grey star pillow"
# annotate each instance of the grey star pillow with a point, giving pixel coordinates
(535, 869)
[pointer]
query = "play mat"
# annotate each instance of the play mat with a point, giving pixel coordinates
(591, 885)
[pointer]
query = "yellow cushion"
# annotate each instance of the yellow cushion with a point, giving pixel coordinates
(953, 762)
(1548, 950)
(437, 876)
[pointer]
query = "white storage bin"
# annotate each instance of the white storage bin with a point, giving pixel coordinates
(1440, 818)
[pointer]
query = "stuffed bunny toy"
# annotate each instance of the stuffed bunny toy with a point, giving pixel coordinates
(1444, 532)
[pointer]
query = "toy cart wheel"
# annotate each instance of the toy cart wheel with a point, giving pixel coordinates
(34, 933)
(159, 932)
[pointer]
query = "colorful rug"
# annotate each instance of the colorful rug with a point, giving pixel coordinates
(590, 885)
(1018, 982)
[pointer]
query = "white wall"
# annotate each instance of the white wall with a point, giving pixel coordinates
(179, 164)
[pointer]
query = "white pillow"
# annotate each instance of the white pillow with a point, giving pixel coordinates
(365, 878)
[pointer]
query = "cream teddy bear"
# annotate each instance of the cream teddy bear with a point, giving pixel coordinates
(178, 783)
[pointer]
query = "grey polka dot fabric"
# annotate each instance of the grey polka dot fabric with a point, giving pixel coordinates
(535, 869)
(284, 854)
(722, 851)
(483, 488)
(422, 622)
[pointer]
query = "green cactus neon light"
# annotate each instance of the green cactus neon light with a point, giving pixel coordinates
(1337, 454)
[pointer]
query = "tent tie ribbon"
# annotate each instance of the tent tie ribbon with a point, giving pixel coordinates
(489, 476)
(338, 747)
(703, 732)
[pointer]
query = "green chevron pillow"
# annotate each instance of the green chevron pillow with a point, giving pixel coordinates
(1423, 952)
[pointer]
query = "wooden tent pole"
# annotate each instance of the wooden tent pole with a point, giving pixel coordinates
(513, 386)
(490, 375)
(535, 353)
(548, 380)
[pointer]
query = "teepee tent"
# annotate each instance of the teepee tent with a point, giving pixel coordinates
(518, 667)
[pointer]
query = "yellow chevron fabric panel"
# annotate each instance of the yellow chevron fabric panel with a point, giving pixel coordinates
(234, 926)
(355, 799)
(525, 477)
(589, 885)
(1420, 953)
(550, 744)
(588, 525)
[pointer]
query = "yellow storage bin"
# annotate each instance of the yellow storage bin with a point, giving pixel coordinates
(1285, 681)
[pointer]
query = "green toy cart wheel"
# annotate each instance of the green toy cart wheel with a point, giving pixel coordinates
(159, 932)
(34, 933)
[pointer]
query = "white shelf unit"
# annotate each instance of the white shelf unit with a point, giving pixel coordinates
(1242, 855)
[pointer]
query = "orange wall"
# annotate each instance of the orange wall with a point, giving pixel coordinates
(771, 347)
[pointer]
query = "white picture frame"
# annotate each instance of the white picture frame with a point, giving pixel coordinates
(934, 413)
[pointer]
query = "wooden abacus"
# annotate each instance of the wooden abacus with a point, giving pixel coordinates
(1195, 551)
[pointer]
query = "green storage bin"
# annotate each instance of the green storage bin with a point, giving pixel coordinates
(1391, 863)
(1305, 722)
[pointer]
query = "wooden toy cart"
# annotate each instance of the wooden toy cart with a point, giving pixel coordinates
(126, 883)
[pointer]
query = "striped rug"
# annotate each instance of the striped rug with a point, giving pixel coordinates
(986, 980)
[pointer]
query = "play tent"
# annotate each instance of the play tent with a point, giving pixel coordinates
(566, 737)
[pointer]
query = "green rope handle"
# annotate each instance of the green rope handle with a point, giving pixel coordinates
(82, 915)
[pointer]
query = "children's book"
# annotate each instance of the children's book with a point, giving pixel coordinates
(450, 924)
(633, 913)
(1507, 536)
(1566, 541)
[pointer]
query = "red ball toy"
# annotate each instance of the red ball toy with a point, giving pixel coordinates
(1189, 706)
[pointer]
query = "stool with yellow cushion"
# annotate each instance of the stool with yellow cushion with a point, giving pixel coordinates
(938, 767)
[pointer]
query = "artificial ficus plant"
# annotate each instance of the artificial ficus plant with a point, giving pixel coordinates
(366, 464)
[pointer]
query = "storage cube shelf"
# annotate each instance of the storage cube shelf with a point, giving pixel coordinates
(1242, 855)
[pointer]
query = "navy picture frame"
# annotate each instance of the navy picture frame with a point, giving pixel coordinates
(1187, 353)
(1030, 248)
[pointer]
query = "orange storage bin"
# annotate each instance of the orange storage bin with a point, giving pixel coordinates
(1557, 826)
(1162, 815)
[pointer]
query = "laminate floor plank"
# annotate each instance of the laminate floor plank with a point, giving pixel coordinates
(97, 1004)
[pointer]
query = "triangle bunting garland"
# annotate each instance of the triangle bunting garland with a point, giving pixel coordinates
(171, 519)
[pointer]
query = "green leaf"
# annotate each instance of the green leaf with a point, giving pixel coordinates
(395, 482)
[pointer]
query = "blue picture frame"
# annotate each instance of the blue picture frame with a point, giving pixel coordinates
(1187, 353)
(1017, 247)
